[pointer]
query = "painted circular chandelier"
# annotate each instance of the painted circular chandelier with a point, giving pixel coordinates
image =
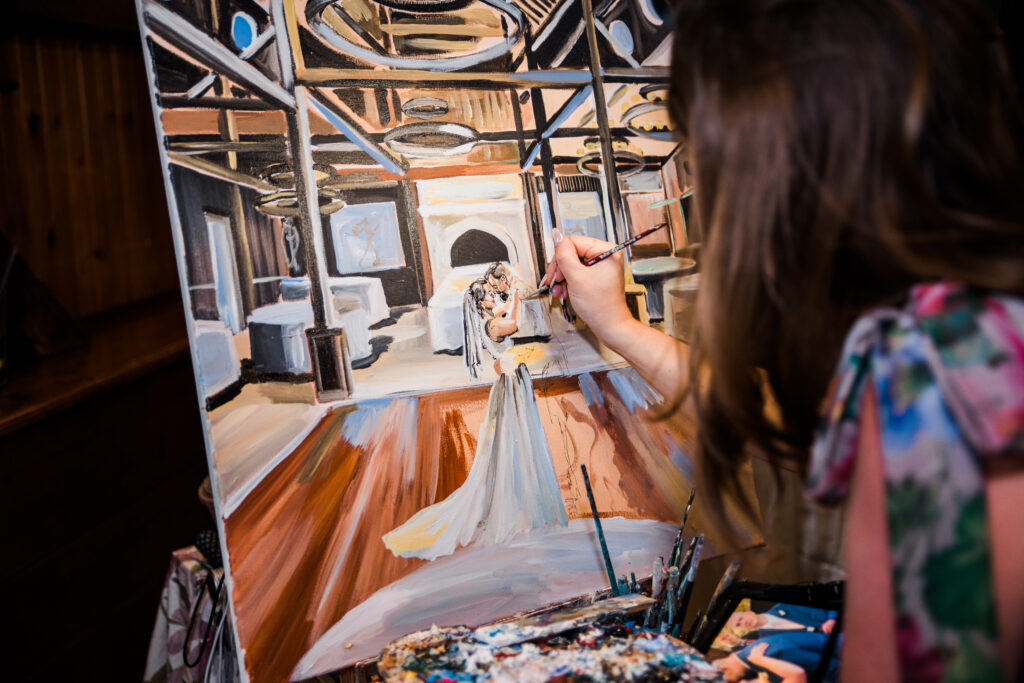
(657, 131)
(285, 203)
(627, 161)
(514, 23)
(282, 175)
(430, 139)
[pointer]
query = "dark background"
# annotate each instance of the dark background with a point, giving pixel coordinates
(101, 448)
(101, 465)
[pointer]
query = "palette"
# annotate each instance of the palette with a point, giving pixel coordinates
(581, 644)
(548, 624)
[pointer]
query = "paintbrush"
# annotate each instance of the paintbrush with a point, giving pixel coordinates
(622, 245)
(674, 597)
(600, 534)
(718, 600)
(544, 290)
(682, 525)
(693, 627)
(658, 577)
(669, 609)
(686, 583)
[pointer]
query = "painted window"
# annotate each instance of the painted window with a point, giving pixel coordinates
(367, 238)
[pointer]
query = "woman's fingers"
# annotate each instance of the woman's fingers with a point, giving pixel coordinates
(588, 247)
(552, 274)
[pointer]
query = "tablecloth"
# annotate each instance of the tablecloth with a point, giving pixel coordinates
(217, 663)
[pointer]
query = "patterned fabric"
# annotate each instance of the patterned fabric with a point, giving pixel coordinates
(948, 373)
(166, 660)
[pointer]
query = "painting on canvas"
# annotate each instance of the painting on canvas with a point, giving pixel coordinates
(362, 195)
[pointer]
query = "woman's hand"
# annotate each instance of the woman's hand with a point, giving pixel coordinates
(597, 292)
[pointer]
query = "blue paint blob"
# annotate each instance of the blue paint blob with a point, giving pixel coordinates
(681, 460)
(243, 30)
(632, 389)
(591, 392)
(622, 35)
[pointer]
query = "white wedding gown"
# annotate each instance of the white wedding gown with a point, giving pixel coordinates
(511, 486)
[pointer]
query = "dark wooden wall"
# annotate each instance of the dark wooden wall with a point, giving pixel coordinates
(82, 193)
(99, 481)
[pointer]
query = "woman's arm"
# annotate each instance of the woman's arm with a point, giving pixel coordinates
(597, 294)
(789, 672)
(1004, 492)
(869, 651)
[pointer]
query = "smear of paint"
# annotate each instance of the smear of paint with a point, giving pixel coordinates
(359, 426)
(591, 392)
(632, 389)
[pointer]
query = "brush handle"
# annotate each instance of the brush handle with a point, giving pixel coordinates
(619, 247)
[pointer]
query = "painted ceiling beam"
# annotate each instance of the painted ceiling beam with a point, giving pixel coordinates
(213, 170)
(232, 103)
(220, 146)
(422, 79)
(177, 31)
(206, 82)
(324, 105)
(567, 110)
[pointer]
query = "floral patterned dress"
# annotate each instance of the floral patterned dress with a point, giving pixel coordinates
(948, 373)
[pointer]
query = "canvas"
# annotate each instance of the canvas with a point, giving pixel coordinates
(362, 195)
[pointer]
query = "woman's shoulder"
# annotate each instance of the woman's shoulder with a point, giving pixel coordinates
(950, 360)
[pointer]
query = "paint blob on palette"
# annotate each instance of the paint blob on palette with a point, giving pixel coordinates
(608, 651)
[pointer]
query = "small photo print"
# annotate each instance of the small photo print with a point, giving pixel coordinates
(777, 642)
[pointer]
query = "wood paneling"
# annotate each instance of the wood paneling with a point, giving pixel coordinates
(82, 193)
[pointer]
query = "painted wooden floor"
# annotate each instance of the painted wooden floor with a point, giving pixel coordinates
(306, 547)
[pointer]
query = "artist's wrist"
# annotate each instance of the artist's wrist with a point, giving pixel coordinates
(620, 331)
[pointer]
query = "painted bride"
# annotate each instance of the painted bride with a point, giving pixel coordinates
(511, 486)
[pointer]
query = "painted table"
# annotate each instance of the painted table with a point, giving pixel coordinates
(277, 334)
(680, 296)
(367, 290)
(652, 274)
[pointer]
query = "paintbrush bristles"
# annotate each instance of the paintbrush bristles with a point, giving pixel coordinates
(658, 577)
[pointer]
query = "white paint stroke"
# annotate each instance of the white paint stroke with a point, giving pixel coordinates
(250, 445)
(511, 487)
(479, 584)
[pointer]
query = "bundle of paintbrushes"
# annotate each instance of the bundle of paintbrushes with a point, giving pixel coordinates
(671, 586)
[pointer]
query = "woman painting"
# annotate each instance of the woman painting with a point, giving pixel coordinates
(858, 180)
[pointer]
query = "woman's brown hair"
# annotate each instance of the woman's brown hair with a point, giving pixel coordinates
(843, 150)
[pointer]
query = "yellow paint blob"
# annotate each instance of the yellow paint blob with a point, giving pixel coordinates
(526, 353)
(412, 539)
